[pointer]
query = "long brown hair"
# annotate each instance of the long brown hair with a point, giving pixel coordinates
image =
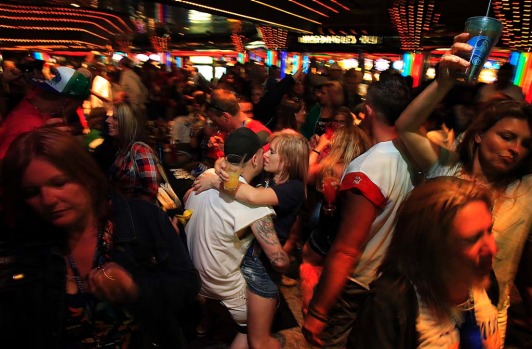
(492, 114)
(420, 246)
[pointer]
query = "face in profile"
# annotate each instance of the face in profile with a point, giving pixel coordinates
(504, 146)
(112, 122)
(54, 196)
(272, 159)
(472, 244)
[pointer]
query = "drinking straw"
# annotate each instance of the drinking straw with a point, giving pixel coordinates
(488, 11)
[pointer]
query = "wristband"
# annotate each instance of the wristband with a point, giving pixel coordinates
(317, 152)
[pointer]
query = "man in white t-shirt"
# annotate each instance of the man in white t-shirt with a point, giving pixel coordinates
(373, 186)
(221, 230)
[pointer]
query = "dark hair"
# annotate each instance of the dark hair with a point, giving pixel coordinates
(285, 113)
(388, 97)
(419, 247)
(64, 152)
(491, 114)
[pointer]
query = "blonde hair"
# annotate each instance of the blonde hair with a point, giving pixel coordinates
(129, 127)
(346, 144)
(293, 150)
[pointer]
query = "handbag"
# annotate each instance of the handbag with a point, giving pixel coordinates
(166, 197)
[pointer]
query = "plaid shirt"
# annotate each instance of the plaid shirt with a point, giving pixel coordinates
(135, 173)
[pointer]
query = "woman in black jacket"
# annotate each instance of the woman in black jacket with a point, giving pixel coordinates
(105, 271)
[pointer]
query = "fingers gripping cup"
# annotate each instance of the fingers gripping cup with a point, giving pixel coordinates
(233, 167)
(484, 32)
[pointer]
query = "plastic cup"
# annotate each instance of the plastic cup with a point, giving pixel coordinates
(484, 34)
(233, 167)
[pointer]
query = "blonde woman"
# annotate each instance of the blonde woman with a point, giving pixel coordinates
(345, 145)
(134, 171)
(286, 166)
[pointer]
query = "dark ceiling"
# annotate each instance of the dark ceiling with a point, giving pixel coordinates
(445, 18)
(398, 24)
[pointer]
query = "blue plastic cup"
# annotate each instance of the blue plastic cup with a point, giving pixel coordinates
(484, 34)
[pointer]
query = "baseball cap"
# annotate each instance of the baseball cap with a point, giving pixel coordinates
(66, 82)
(243, 142)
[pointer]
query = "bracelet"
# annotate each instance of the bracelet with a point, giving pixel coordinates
(318, 316)
(317, 152)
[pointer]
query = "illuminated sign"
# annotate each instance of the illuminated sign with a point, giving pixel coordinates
(340, 39)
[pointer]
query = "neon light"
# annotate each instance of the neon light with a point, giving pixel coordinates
(295, 64)
(407, 67)
(520, 69)
(283, 63)
(62, 12)
(417, 68)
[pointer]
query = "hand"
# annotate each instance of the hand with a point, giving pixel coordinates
(312, 328)
(314, 141)
(216, 142)
(206, 181)
(112, 283)
(451, 61)
(323, 142)
(219, 169)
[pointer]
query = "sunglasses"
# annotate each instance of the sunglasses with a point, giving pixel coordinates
(215, 107)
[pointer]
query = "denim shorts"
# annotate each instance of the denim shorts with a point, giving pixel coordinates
(257, 278)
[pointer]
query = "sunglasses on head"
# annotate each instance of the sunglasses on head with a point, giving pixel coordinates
(215, 107)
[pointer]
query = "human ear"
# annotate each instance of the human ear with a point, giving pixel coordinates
(478, 138)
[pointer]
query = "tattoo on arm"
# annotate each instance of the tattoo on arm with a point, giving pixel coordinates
(267, 238)
(264, 231)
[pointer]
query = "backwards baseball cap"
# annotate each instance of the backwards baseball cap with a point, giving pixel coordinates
(243, 142)
(66, 82)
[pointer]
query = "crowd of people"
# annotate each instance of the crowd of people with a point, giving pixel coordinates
(410, 208)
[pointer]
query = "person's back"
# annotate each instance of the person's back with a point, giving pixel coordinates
(372, 188)
(218, 236)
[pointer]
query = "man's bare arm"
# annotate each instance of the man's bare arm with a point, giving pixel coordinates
(269, 242)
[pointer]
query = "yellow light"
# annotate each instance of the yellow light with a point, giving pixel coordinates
(290, 13)
(242, 15)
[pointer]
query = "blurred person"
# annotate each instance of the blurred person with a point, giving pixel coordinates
(53, 102)
(187, 127)
(134, 171)
(291, 113)
(434, 295)
(371, 190)
(133, 86)
(223, 229)
(495, 151)
(351, 80)
(335, 72)
(14, 84)
(503, 84)
(329, 96)
(264, 109)
(345, 145)
(101, 91)
(105, 272)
